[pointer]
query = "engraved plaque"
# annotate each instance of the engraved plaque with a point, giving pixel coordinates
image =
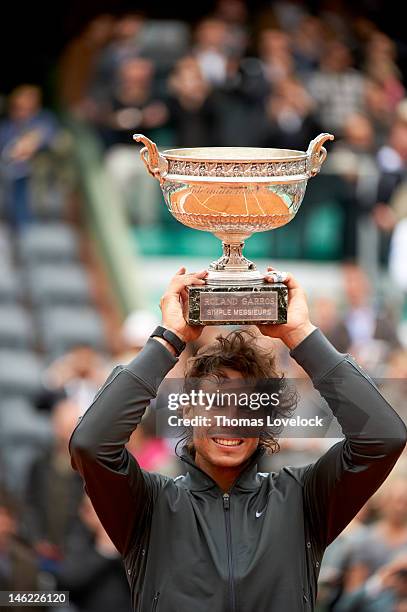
(238, 306)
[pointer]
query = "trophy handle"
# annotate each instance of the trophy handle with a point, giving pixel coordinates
(317, 153)
(155, 163)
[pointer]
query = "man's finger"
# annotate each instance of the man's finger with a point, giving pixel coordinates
(184, 295)
(183, 272)
(276, 276)
(181, 281)
(283, 277)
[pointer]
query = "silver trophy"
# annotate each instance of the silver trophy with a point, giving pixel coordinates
(234, 192)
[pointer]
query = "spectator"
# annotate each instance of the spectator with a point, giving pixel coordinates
(385, 591)
(291, 123)
(92, 570)
(153, 453)
(77, 375)
(289, 13)
(123, 47)
(365, 330)
(192, 106)
(334, 565)
(393, 384)
(276, 55)
(132, 104)
(337, 87)
(383, 544)
(53, 491)
(212, 50)
(354, 159)
(235, 14)
(27, 130)
(135, 332)
(133, 107)
(18, 566)
(308, 43)
(378, 111)
(380, 65)
(325, 313)
(392, 161)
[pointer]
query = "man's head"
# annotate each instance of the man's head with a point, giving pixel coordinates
(9, 512)
(392, 500)
(24, 102)
(235, 363)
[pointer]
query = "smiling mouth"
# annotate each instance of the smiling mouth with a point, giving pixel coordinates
(228, 441)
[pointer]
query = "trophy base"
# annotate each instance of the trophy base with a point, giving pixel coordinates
(238, 304)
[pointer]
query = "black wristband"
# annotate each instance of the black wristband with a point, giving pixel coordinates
(176, 342)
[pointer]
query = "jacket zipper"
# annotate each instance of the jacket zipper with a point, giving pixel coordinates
(155, 602)
(232, 594)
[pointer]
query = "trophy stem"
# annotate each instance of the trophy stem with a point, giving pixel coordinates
(233, 266)
(232, 258)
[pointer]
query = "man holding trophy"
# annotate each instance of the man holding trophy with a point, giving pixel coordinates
(224, 537)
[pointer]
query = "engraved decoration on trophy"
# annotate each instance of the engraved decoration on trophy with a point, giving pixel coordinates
(234, 192)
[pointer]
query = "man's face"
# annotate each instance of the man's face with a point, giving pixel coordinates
(224, 446)
(24, 105)
(7, 524)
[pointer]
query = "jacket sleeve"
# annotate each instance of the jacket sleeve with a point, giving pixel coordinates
(338, 484)
(121, 492)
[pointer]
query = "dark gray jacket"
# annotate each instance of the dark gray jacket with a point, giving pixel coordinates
(188, 546)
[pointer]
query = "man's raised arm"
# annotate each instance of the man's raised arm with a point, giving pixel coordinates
(121, 492)
(346, 476)
(343, 479)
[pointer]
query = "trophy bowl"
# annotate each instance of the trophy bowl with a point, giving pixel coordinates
(234, 192)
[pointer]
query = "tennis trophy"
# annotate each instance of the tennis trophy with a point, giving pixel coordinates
(234, 192)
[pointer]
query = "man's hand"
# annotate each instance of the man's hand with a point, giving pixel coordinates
(172, 303)
(384, 217)
(298, 325)
(393, 575)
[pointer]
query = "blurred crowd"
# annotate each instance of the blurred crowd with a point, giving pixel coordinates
(273, 79)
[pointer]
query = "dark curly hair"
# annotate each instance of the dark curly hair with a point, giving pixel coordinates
(239, 350)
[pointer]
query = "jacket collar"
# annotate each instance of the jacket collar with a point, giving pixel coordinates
(198, 480)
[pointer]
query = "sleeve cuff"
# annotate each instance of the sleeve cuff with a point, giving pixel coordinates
(316, 355)
(152, 363)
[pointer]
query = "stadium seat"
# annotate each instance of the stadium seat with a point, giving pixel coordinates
(49, 242)
(50, 205)
(5, 246)
(63, 328)
(64, 283)
(24, 433)
(16, 327)
(20, 421)
(10, 287)
(20, 373)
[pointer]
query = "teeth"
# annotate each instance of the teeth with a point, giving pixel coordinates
(226, 442)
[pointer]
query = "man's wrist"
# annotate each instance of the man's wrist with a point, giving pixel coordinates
(294, 337)
(176, 332)
(167, 345)
(172, 339)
